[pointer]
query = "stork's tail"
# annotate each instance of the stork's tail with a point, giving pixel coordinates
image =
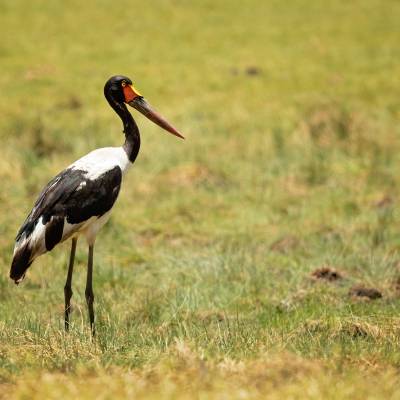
(21, 262)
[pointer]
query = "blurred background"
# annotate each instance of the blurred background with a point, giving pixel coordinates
(290, 112)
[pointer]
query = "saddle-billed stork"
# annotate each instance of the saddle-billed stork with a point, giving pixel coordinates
(78, 201)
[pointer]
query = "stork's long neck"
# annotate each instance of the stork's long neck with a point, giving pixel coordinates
(132, 136)
(131, 130)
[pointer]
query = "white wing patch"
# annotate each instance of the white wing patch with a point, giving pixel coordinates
(36, 240)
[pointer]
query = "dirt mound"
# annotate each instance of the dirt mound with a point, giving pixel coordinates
(365, 292)
(327, 274)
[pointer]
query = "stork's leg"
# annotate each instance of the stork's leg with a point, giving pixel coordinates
(68, 284)
(89, 289)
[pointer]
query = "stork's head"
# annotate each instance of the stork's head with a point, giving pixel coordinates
(120, 90)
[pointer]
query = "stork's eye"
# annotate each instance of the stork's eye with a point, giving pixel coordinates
(123, 83)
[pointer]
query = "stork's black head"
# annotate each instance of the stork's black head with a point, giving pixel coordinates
(119, 90)
(115, 87)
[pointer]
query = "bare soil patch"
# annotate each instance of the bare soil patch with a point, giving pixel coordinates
(327, 274)
(365, 292)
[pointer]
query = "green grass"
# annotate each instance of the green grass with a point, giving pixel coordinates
(202, 276)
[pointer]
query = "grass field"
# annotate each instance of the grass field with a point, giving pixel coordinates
(203, 278)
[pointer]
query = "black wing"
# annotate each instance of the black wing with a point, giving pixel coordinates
(72, 196)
